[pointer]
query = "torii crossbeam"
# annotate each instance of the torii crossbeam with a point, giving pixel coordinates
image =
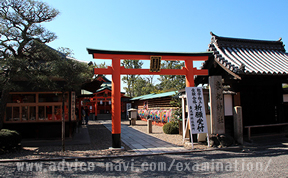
(116, 71)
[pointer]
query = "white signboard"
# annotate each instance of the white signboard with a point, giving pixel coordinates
(228, 105)
(196, 110)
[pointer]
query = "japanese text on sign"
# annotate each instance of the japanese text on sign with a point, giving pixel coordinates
(197, 114)
(155, 63)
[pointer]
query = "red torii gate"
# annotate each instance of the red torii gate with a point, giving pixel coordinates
(116, 70)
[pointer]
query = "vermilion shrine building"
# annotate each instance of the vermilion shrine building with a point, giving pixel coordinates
(100, 101)
(37, 113)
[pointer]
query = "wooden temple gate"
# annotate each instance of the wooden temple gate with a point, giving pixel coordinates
(155, 69)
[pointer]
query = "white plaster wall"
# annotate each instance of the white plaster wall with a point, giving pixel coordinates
(228, 105)
(285, 97)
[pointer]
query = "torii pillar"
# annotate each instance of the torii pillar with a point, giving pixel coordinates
(116, 70)
(116, 103)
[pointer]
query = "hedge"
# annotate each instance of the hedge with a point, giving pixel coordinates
(9, 139)
(171, 128)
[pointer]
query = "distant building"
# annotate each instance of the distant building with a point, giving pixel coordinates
(100, 101)
(155, 106)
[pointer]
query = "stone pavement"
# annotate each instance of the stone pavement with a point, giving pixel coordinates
(143, 143)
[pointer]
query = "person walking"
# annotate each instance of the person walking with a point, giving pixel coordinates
(83, 113)
(87, 112)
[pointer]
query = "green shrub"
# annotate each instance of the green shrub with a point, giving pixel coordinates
(9, 139)
(171, 128)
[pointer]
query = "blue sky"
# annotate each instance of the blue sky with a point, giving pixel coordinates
(162, 25)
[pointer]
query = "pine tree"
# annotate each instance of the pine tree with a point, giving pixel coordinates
(24, 55)
(66, 51)
(171, 82)
(130, 80)
(142, 86)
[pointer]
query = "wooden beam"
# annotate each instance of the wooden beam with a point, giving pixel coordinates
(103, 70)
(147, 57)
(124, 71)
(147, 72)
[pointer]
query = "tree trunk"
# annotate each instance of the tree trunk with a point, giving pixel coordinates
(132, 85)
(4, 99)
(129, 86)
(63, 121)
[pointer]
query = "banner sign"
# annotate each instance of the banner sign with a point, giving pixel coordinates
(73, 106)
(196, 110)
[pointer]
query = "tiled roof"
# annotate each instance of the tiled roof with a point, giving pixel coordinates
(153, 95)
(103, 88)
(160, 95)
(245, 56)
(139, 97)
(106, 80)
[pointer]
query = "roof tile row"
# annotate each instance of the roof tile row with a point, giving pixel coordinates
(245, 60)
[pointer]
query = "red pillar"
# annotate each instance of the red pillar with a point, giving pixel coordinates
(116, 104)
(189, 83)
(79, 110)
(95, 108)
(189, 73)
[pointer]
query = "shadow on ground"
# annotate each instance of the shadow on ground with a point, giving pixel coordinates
(100, 139)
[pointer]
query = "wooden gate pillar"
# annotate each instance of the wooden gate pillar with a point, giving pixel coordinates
(189, 75)
(116, 103)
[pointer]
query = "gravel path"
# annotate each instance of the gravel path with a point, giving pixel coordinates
(101, 140)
